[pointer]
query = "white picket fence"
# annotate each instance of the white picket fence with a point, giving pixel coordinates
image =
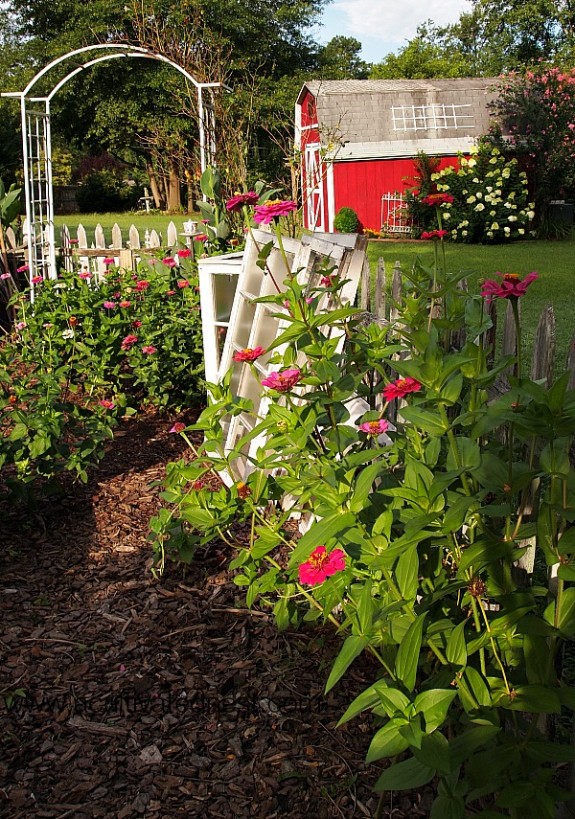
(75, 252)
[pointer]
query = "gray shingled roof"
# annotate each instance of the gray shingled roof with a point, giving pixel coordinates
(360, 111)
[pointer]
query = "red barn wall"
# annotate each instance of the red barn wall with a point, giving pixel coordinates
(360, 185)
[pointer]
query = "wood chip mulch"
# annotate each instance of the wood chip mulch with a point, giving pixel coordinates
(124, 696)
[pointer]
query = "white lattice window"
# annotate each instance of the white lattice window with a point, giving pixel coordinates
(431, 117)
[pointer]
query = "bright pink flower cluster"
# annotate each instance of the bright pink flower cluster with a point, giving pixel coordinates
(237, 202)
(248, 354)
(400, 388)
(437, 199)
(511, 286)
(273, 209)
(434, 234)
(282, 381)
(129, 341)
(374, 427)
(320, 565)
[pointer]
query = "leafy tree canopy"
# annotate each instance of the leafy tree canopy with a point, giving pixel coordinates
(432, 53)
(340, 60)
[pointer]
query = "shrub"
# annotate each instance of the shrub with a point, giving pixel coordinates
(102, 191)
(346, 221)
(490, 198)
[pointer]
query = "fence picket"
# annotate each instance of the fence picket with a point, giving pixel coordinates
(172, 235)
(379, 300)
(116, 236)
(154, 240)
(544, 347)
(134, 238)
(82, 238)
(99, 237)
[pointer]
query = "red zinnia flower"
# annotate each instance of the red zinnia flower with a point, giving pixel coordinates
(184, 253)
(510, 286)
(273, 209)
(437, 199)
(169, 261)
(283, 381)
(36, 279)
(320, 565)
(374, 427)
(128, 341)
(237, 202)
(201, 237)
(171, 292)
(106, 403)
(85, 275)
(178, 427)
(149, 349)
(434, 234)
(400, 388)
(109, 260)
(247, 354)
(328, 281)
(22, 269)
(143, 284)
(137, 323)
(183, 283)
(109, 305)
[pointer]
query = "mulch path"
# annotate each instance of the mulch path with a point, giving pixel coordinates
(126, 696)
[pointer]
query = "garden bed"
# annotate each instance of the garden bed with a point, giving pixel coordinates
(131, 697)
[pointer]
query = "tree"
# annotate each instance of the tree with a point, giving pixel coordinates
(536, 110)
(340, 60)
(431, 53)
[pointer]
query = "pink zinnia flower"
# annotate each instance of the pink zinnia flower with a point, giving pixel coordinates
(237, 202)
(37, 279)
(109, 305)
(183, 283)
(108, 261)
(437, 199)
(320, 565)
(510, 286)
(5, 275)
(149, 349)
(20, 325)
(169, 261)
(106, 403)
(171, 292)
(283, 381)
(374, 427)
(125, 303)
(143, 284)
(184, 253)
(128, 341)
(400, 388)
(273, 209)
(137, 323)
(434, 234)
(328, 281)
(22, 269)
(248, 354)
(201, 237)
(85, 275)
(178, 427)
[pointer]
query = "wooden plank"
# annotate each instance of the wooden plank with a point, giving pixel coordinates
(116, 236)
(134, 238)
(82, 238)
(380, 282)
(544, 347)
(99, 236)
(154, 239)
(396, 291)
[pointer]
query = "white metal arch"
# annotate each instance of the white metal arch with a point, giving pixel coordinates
(37, 144)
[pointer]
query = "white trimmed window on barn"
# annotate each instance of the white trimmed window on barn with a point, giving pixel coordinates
(431, 117)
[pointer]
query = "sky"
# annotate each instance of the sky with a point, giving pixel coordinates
(382, 26)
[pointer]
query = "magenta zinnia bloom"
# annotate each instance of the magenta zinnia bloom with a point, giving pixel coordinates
(85, 275)
(109, 260)
(22, 269)
(434, 234)
(184, 253)
(510, 286)
(178, 427)
(149, 349)
(201, 237)
(400, 388)
(183, 283)
(320, 565)
(374, 427)
(169, 261)
(237, 202)
(171, 292)
(128, 341)
(109, 305)
(106, 403)
(142, 285)
(36, 279)
(273, 209)
(437, 199)
(282, 382)
(5, 276)
(248, 354)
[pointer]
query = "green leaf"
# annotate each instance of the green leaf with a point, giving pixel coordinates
(434, 752)
(536, 699)
(352, 648)
(319, 533)
(434, 705)
(425, 420)
(367, 699)
(543, 752)
(516, 794)
(405, 776)
(566, 619)
(387, 741)
(448, 807)
(365, 608)
(407, 573)
(478, 686)
(407, 658)
(456, 651)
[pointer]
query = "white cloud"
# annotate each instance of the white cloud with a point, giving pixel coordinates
(392, 22)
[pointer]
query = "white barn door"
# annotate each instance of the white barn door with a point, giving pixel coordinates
(314, 192)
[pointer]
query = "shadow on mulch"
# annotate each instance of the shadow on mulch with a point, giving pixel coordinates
(124, 696)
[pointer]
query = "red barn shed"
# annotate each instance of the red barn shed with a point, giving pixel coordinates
(358, 139)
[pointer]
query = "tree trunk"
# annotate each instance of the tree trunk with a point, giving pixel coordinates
(174, 193)
(154, 186)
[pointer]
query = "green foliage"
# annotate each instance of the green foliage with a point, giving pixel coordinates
(104, 191)
(340, 60)
(431, 53)
(537, 112)
(88, 351)
(9, 204)
(414, 528)
(346, 221)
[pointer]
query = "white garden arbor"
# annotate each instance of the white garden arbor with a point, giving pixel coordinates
(37, 143)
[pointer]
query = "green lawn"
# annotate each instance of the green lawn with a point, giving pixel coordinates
(554, 261)
(143, 221)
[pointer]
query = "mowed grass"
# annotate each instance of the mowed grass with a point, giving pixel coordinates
(155, 220)
(554, 261)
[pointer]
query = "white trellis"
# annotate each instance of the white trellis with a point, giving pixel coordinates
(37, 142)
